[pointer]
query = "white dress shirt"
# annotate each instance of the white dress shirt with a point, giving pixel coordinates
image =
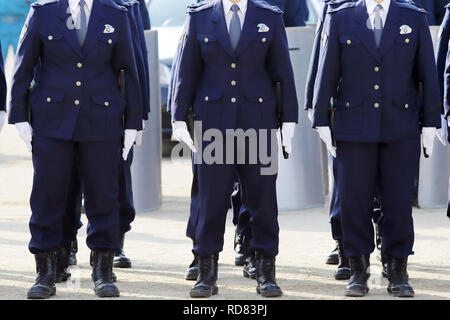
(74, 6)
(372, 4)
(229, 13)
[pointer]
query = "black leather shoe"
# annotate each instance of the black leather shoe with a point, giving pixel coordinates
(120, 259)
(359, 270)
(398, 278)
(102, 274)
(62, 263)
(343, 270)
(207, 276)
(192, 273)
(73, 253)
(250, 267)
(242, 248)
(265, 276)
(333, 257)
(44, 287)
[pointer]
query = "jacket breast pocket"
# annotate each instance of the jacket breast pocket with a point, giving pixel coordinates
(405, 47)
(108, 40)
(208, 44)
(350, 47)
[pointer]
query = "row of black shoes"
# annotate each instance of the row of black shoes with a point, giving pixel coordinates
(256, 265)
(52, 267)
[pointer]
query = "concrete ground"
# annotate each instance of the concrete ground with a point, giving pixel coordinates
(161, 252)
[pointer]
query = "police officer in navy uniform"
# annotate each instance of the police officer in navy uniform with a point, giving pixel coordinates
(217, 54)
(375, 53)
(78, 117)
(443, 66)
(127, 212)
(295, 13)
(2, 92)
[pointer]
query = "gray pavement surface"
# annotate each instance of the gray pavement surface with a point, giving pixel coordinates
(161, 253)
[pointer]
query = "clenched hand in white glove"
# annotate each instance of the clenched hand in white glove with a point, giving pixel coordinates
(310, 114)
(428, 135)
(287, 131)
(128, 141)
(325, 135)
(26, 133)
(140, 134)
(2, 119)
(181, 133)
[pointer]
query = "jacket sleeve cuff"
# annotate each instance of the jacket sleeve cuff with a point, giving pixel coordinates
(320, 119)
(134, 123)
(18, 114)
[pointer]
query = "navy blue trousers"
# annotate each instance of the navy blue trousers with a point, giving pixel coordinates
(364, 169)
(241, 215)
(214, 184)
(53, 162)
(127, 212)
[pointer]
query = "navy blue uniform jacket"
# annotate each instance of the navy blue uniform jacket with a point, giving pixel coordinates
(77, 95)
(376, 89)
(228, 89)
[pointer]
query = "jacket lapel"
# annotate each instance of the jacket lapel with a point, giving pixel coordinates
(365, 34)
(249, 30)
(95, 27)
(391, 28)
(67, 26)
(220, 27)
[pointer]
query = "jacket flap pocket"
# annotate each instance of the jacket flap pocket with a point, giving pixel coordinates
(351, 102)
(53, 97)
(206, 38)
(51, 35)
(101, 100)
(348, 39)
(211, 94)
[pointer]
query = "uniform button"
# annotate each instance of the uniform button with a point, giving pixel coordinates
(376, 87)
(233, 83)
(376, 69)
(261, 100)
(233, 100)
(79, 65)
(50, 37)
(77, 102)
(49, 99)
(109, 41)
(206, 98)
(78, 83)
(233, 65)
(206, 40)
(406, 106)
(106, 103)
(347, 104)
(264, 40)
(407, 40)
(376, 105)
(349, 42)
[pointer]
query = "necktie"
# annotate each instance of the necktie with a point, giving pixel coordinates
(235, 27)
(82, 30)
(378, 25)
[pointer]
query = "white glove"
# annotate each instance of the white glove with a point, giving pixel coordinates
(287, 131)
(181, 133)
(2, 119)
(310, 114)
(325, 135)
(128, 141)
(140, 134)
(26, 133)
(442, 133)
(428, 135)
